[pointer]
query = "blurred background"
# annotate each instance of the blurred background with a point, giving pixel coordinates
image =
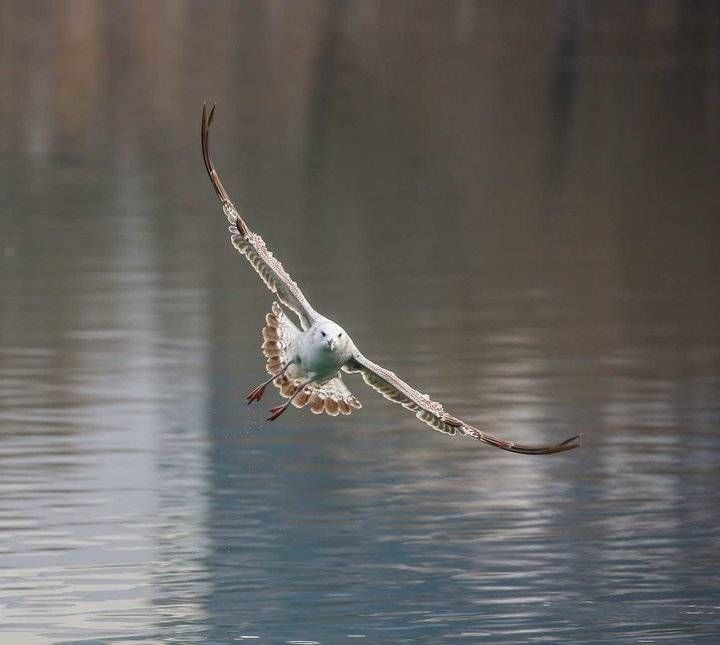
(514, 205)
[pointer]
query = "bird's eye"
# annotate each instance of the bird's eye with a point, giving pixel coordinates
(322, 333)
(340, 334)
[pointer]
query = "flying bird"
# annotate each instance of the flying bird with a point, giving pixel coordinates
(305, 362)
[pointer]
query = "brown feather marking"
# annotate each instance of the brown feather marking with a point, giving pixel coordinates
(317, 404)
(331, 407)
(301, 399)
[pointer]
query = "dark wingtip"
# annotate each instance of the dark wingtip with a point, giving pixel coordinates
(569, 444)
(523, 449)
(207, 119)
(571, 440)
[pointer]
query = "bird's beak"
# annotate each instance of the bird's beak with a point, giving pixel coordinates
(331, 343)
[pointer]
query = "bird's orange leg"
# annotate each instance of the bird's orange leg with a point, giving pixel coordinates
(278, 410)
(257, 393)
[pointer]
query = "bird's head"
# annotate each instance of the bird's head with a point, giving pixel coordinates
(333, 337)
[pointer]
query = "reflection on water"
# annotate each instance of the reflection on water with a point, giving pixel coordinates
(517, 211)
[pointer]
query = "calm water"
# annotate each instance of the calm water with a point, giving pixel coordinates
(515, 206)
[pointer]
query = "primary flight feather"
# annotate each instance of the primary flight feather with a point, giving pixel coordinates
(304, 362)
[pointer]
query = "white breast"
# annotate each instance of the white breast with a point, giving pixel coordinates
(316, 359)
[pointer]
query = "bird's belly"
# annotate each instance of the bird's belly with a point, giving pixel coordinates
(319, 368)
(318, 364)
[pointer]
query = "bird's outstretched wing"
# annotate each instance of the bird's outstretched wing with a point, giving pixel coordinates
(432, 413)
(251, 245)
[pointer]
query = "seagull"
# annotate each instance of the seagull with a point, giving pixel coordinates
(305, 362)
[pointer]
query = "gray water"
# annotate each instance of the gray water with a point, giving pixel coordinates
(515, 206)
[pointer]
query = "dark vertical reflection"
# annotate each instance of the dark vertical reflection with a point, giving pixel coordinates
(565, 84)
(514, 205)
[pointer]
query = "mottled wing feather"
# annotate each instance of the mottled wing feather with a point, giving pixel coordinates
(270, 269)
(279, 331)
(332, 396)
(432, 413)
(250, 244)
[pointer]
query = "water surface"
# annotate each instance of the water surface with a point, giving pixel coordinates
(514, 207)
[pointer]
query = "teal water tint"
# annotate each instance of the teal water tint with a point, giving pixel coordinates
(515, 208)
